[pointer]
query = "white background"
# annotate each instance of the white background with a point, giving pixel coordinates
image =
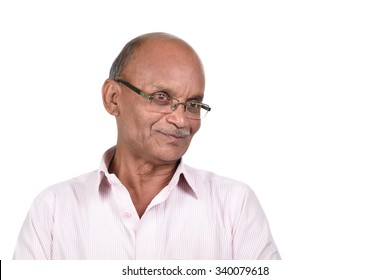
(300, 102)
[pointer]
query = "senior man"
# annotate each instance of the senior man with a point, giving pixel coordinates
(144, 202)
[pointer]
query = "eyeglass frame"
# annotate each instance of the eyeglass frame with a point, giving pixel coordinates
(173, 106)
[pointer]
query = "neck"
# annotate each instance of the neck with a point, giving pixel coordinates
(143, 179)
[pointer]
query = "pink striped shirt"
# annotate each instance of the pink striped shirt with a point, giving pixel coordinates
(199, 215)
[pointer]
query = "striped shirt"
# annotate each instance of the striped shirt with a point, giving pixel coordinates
(198, 215)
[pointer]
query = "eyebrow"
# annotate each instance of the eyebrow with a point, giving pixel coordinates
(199, 97)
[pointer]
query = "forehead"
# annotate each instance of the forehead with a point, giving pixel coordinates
(166, 62)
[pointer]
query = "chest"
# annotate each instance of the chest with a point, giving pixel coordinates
(188, 229)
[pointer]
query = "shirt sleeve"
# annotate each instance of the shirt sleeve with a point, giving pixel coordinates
(252, 237)
(35, 237)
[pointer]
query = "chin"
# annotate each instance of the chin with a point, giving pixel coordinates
(170, 156)
(170, 159)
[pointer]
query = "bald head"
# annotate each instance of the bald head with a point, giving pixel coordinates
(150, 44)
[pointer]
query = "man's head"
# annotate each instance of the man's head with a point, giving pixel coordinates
(162, 66)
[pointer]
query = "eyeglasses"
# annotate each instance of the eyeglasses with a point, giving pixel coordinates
(162, 103)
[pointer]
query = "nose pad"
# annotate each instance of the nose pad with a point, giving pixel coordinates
(174, 106)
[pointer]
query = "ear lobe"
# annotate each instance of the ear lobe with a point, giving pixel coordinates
(110, 94)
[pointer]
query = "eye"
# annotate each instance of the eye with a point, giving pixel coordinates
(193, 106)
(161, 98)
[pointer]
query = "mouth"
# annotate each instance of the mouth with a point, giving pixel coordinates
(175, 137)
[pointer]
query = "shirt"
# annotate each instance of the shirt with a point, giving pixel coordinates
(198, 215)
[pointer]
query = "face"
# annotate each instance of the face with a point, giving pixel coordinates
(160, 66)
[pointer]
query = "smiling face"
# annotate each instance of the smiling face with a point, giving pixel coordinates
(167, 65)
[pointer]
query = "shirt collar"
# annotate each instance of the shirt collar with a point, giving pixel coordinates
(105, 163)
(183, 175)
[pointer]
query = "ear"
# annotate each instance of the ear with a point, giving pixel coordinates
(110, 94)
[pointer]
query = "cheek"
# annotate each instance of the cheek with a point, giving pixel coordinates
(133, 123)
(195, 126)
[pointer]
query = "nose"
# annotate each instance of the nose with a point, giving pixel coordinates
(177, 116)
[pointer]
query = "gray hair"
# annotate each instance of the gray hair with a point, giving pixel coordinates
(123, 58)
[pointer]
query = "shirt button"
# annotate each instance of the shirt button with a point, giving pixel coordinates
(126, 215)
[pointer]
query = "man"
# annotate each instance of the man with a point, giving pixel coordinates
(144, 202)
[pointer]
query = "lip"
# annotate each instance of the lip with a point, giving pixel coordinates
(173, 138)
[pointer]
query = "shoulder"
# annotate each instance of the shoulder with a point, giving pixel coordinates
(204, 181)
(228, 197)
(75, 188)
